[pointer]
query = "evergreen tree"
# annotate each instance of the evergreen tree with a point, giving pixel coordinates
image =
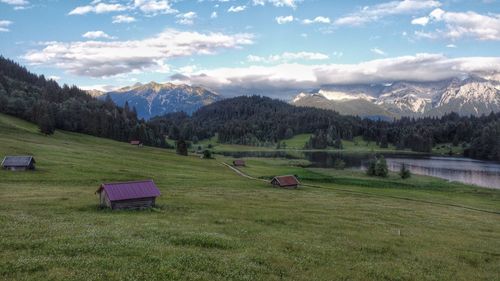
(45, 124)
(207, 154)
(182, 147)
(339, 164)
(381, 169)
(371, 170)
(404, 172)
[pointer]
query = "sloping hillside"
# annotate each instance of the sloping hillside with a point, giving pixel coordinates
(212, 224)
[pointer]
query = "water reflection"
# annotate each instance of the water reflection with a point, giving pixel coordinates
(454, 169)
(481, 173)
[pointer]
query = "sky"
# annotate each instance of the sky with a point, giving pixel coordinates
(251, 46)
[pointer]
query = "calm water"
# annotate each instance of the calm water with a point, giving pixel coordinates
(480, 173)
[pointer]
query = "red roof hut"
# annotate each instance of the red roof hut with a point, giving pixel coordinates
(239, 163)
(128, 195)
(136, 142)
(285, 181)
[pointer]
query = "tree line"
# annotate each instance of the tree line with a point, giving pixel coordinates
(262, 121)
(42, 101)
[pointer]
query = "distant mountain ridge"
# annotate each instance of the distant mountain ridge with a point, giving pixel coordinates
(155, 99)
(471, 96)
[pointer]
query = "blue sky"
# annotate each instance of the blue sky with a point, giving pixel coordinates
(251, 44)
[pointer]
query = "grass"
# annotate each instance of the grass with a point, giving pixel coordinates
(297, 143)
(446, 148)
(211, 224)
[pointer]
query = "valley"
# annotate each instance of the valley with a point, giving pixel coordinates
(211, 223)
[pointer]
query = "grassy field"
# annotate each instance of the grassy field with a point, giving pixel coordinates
(212, 224)
(357, 145)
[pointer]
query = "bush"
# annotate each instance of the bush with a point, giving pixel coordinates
(378, 167)
(381, 169)
(339, 164)
(207, 154)
(371, 167)
(404, 172)
(181, 147)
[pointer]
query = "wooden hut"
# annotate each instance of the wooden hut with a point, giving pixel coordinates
(285, 181)
(18, 163)
(137, 143)
(239, 163)
(128, 195)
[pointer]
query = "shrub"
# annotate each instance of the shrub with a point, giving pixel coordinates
(339, 164)
(381, 169)
(378, 167)
(181, 147)
(371, 167)
(404, 172)
(207, 154)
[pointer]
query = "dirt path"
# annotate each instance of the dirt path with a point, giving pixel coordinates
(240, 172)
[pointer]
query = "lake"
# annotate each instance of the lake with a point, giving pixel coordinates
(470, 171)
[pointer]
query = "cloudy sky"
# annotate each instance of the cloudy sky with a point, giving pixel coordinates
(251, 46)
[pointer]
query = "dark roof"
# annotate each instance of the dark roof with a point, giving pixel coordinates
(286, 180)
(17, 161)
(130, 190)
(135, 142)
(239, 162)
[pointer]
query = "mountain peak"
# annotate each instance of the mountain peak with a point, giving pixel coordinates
(154, 99)
(471, 95)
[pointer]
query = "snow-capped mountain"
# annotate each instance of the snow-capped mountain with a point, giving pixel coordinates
(474, 96)
(154, 99)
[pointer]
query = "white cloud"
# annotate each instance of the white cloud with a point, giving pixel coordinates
(54, 77)
(451, 46)
(467, 24)
(154, 6)
(277, 3)
(236, 9)
(99, 8)
(186, 18)
(148, 7)
(418, 68)
(97, 34)
(423, 21)
(376, 12)
(284, 19)
(338, 54)
(287, 56)
(17, 3)
(4, 25)
(213, 15)
(378, 51)
(102, 59)
(123, 19)
(318, 19)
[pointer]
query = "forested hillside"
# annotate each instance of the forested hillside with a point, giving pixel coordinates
(43, 101)
(263, 121)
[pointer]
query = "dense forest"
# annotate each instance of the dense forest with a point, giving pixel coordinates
(43, 101)
(261, 121)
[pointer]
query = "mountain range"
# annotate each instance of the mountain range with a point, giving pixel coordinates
(154, 99)
(471, 96)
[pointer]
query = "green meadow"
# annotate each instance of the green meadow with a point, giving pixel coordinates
(212, 224)
(297, 143)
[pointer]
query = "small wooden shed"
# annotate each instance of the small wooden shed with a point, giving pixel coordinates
(18, 163)
(239, 163)
(285, 181)
(136, 143)
(128, 195)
